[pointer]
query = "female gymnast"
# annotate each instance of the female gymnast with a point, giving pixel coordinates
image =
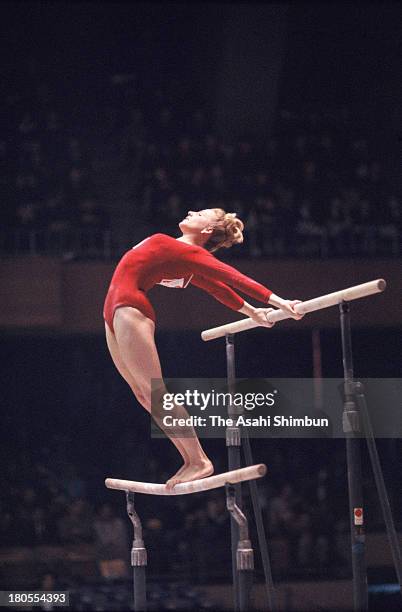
(177, 262)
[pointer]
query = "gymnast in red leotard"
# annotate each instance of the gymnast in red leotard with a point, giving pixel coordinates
(176, 262)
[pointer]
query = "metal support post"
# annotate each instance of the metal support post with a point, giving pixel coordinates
(244, 550)
(138, 557)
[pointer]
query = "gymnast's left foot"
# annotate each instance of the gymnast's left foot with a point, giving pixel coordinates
(193, 471)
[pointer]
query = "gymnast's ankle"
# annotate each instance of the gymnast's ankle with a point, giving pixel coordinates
(202, 462)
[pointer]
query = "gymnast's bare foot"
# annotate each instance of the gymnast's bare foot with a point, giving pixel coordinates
(180, 471)
(193, 471)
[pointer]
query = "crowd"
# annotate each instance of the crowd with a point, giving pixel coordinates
(317, 186)
(50, 196)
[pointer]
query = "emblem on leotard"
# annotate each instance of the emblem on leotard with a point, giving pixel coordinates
(175, 283)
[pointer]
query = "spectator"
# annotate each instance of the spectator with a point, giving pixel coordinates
(30, 522)
(281, 514)
(76, 526)
(111, 542)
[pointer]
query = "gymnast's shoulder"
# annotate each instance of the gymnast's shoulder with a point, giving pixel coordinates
(175, 247)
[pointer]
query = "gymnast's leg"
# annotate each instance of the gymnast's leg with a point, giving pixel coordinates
(125, 373)
(135, 355)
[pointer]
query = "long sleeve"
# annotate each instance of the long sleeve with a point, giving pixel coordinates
(219, 291)
(204, 264)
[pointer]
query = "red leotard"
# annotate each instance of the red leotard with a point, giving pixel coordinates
(161, 259)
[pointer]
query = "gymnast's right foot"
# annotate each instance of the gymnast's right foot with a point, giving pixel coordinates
(193, 471)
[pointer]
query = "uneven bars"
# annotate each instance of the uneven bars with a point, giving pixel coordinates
(195, 486)
(331, 299)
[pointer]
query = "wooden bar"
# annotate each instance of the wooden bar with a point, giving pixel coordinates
(195, 486)
(324, 301)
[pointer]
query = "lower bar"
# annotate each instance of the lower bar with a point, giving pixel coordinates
(185, 488)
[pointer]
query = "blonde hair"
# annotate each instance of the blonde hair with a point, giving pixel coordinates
(228, 230)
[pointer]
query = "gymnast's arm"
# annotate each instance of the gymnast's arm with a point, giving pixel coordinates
(219, 291)
(229, 298)
(202, 263)
(206, 265)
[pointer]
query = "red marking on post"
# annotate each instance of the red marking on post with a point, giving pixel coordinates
(358, 515)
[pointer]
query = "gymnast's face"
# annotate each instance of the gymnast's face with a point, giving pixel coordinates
(199, 222)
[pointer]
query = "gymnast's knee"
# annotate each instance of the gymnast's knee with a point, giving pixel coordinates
(142, 400)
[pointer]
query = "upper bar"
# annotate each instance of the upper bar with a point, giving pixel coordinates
(331, 299)
(195, 486)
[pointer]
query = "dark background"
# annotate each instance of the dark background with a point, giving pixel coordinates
(64, 406)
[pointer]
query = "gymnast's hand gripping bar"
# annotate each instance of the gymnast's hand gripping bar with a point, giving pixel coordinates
(324, 301)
